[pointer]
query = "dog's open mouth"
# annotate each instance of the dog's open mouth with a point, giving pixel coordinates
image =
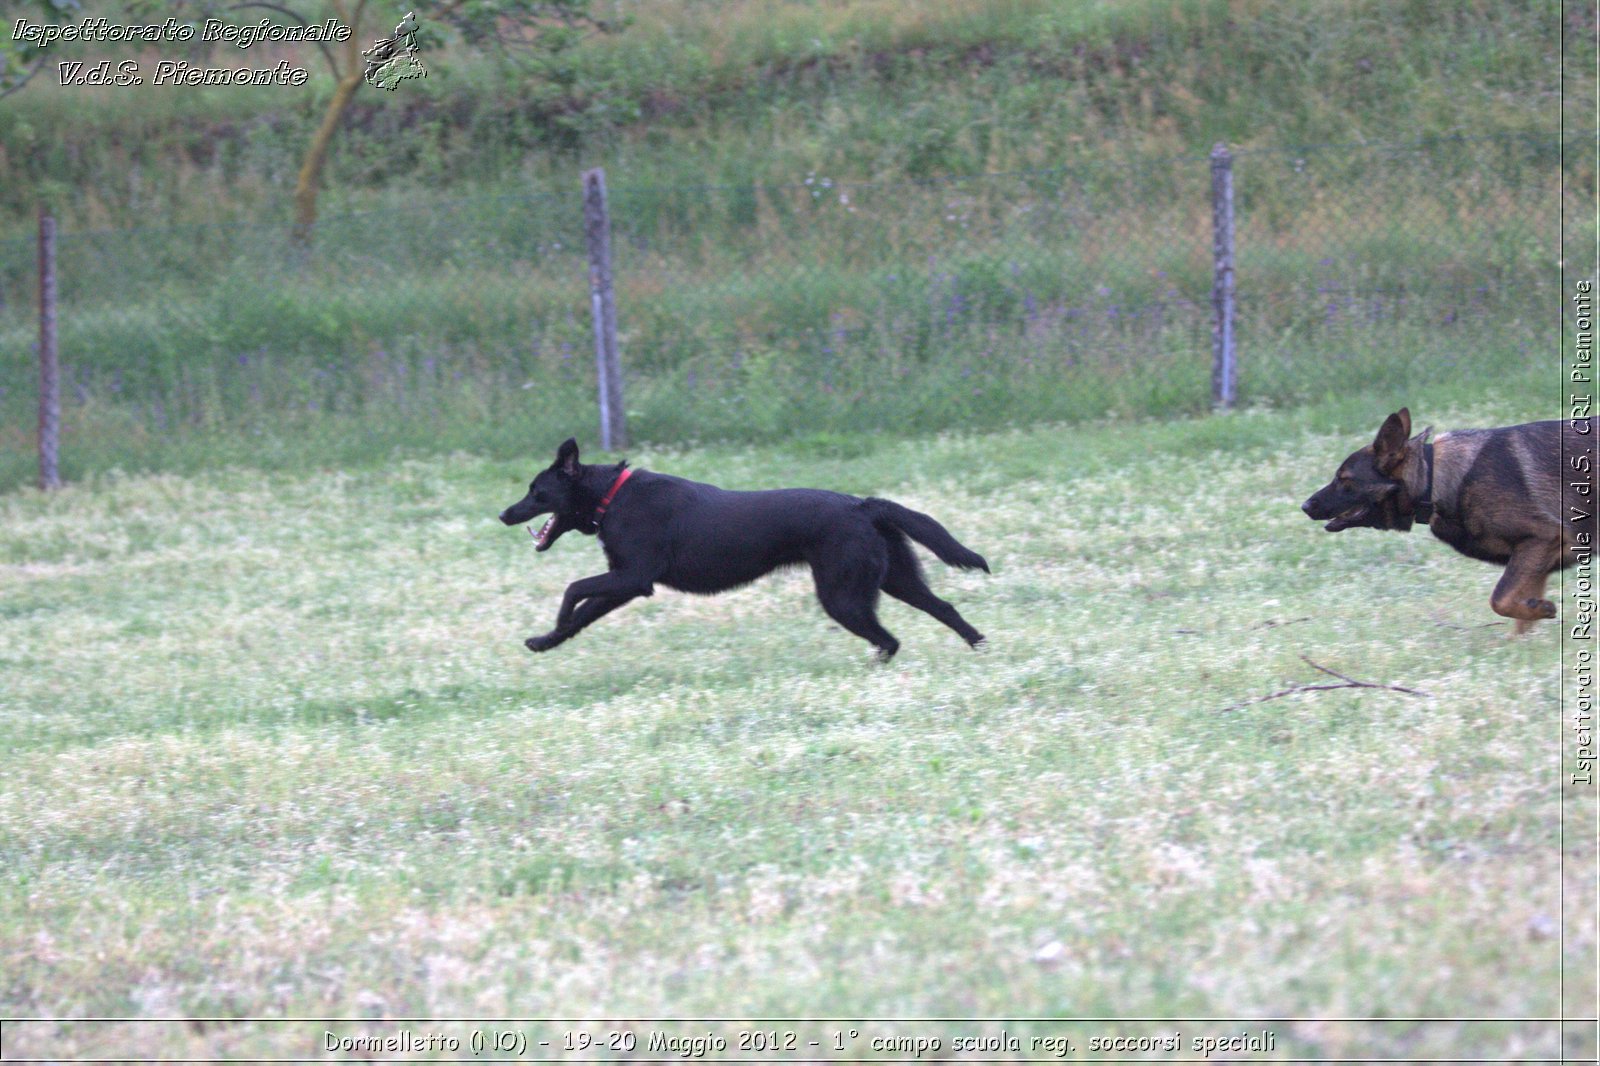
(541, 536)
(1347, 519)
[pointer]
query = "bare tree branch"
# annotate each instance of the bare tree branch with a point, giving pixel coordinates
(24, 80)
(1345, 682)
(280, 9)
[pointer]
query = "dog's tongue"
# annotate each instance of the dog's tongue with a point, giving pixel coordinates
(541, 535)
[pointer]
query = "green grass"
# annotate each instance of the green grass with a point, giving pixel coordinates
(283, 415)
(273, 747)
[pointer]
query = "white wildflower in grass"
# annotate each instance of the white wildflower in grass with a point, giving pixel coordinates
(274, 748)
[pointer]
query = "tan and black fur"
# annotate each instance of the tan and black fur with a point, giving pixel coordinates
(1501, 495)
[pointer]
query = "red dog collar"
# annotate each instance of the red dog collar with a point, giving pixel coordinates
(611, 494)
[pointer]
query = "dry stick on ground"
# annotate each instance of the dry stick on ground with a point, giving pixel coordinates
(1345, 682)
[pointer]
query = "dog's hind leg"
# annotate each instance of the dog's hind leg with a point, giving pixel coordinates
(848, 575)
(905, 583)
(1520, 591)
(859, 618)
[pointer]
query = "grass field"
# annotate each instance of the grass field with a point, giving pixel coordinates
(273, 748)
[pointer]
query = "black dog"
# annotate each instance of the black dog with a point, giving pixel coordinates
(656, 528)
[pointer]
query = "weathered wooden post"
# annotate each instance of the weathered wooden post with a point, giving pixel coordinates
(603, 306)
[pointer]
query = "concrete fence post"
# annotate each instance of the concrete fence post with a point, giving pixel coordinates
(603, 305)
(49, 364)
(1224, 366)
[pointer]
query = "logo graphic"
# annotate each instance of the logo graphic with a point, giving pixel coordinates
(393, 59)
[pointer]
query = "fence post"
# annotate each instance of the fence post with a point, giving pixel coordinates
(1224, 368)
(603, 306)
(49, 367)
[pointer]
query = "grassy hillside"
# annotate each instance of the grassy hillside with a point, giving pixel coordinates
(763, 91)
(274, 748)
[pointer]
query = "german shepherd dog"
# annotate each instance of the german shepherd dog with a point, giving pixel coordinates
(659, 529)
(1499, 495)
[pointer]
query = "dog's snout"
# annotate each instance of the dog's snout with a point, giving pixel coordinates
(505, 516)
(1317, 505)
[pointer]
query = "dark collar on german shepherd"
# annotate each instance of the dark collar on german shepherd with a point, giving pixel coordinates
(1423, 511)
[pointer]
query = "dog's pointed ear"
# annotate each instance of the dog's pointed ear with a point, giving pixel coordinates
(1389, 448)
(567, 456)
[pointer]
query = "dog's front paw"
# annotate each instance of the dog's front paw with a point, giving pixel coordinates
(1542, 608)
(544, 643)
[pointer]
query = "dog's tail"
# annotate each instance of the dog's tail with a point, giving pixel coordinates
(925, 531)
